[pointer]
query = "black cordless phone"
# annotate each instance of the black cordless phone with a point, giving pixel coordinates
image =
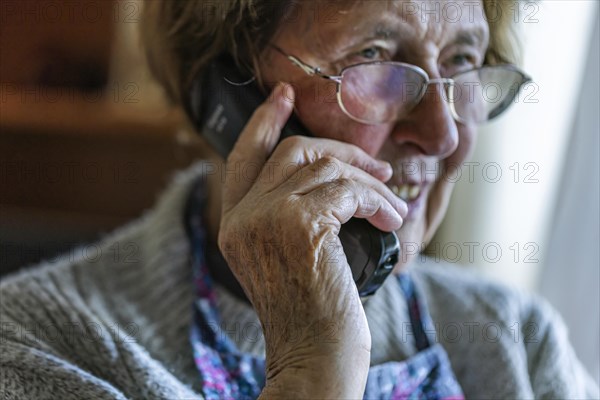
(221, 105)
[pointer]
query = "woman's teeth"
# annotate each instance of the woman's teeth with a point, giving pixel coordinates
(406, 192)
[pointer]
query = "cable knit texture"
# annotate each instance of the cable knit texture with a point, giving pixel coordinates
(111, 321)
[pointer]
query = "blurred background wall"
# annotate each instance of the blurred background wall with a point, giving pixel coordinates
(87, 142)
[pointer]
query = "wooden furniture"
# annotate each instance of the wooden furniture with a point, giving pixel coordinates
(85, 145)
(72, 170)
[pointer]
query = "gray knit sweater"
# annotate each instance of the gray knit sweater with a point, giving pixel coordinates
(111, 321)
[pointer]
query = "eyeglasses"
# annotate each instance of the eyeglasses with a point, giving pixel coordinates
(382, 91)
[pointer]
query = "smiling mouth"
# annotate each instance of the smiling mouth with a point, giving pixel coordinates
(406, 192)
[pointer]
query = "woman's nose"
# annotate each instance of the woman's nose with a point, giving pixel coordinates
(430, 124)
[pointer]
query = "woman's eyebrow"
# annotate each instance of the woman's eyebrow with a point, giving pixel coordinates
(401, 33)
(386, 32)
(473, 37)
(365, 33)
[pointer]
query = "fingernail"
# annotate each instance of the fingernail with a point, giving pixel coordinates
(385, 168)
(286, 93)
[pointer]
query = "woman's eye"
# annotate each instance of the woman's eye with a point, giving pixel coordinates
(370, 53)
(461, 60)
(459, 63)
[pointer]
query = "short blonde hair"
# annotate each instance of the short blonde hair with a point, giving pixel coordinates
(181, 37)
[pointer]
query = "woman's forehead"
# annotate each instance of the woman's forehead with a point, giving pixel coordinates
(330, 25)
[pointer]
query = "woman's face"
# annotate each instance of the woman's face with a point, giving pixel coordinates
(422, 146)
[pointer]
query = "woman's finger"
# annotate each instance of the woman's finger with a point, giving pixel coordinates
(296, 152)
(351, 192)
(328, 169)
(348, 198)
(255, 144)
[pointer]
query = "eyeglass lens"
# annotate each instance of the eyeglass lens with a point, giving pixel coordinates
(376, 93)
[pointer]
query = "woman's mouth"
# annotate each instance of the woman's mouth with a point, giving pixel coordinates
(412, 194)
(406, 192)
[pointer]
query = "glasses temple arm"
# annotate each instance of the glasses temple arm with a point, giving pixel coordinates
(307, 68)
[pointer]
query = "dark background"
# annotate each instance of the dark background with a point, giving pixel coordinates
(82, 150)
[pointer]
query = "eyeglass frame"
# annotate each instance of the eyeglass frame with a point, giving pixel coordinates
(316, 71)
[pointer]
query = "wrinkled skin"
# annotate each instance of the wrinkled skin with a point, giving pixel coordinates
(278, 226)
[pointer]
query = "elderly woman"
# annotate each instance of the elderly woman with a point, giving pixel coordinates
(236, 285)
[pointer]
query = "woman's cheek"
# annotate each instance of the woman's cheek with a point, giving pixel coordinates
(319, 114)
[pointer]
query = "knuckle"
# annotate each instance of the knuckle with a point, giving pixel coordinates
(346, 184)
(371, 204)
(292, 143)
(329, 168)
(342, 188)
(330, 163)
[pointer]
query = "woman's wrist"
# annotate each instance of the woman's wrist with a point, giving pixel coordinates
(318, 384)
(339, 374)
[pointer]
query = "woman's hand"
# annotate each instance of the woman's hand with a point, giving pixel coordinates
(280, 219)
